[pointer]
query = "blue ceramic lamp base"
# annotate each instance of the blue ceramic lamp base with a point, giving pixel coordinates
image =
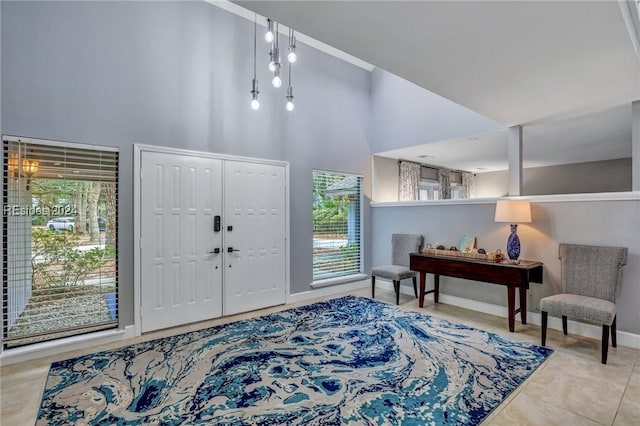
(513, 245)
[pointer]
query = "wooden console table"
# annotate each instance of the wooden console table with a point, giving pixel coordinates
(510, 275)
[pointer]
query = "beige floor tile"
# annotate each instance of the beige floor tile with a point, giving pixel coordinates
(628, 413)
(527, 410)
(20, 399)
(629, 410)
(576, 390)
(580, 367)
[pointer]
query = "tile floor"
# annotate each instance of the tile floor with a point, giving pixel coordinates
(571, 388)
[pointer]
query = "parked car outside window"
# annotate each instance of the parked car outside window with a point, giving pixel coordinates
(61, 224)
(69, 223)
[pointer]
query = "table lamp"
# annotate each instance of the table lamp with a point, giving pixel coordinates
(513, 212)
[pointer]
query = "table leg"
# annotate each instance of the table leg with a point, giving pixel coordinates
(511, 307)
(422, 290)
(436, 287)
(523, 304)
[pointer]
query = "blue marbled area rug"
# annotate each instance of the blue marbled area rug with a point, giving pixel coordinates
(351, 360)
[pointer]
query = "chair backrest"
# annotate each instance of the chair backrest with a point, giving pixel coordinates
(593, 271)
(402, 245)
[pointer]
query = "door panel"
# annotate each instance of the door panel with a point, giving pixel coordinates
(255, 209)
(181, 279)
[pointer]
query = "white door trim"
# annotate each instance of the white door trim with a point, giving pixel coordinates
(138, 149)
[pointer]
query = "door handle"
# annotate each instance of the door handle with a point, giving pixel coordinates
(231, 250)
(215, 251)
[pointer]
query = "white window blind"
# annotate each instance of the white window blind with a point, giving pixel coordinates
(59, 222)
(337, 201)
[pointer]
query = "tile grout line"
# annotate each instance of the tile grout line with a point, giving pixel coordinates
(626, 387)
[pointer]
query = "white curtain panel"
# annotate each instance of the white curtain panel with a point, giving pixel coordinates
(409, 179)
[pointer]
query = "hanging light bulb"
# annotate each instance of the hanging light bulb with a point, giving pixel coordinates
(275, 58)
(292, 56)
(255, 104)
(277, 81)
(289, 106)
(269, 36)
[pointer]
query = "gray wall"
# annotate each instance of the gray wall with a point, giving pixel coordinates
(594, 176)
(178, 74)
(404, 114)
(609, 223)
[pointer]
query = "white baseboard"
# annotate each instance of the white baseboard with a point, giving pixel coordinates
(328, 291)
(55, 347)
(625, 338)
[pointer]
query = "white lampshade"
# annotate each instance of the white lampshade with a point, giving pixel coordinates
(513, 211)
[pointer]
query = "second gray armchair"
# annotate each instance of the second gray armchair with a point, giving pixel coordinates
(590, 278)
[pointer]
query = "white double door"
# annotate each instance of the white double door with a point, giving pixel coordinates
(213, 238)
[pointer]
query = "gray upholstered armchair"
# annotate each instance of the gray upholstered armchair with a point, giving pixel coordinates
(590, 277)
(402, 245)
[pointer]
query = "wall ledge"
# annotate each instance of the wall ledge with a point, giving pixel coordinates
(556, 198)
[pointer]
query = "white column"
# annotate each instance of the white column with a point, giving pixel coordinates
(515, 160)
(635, 145)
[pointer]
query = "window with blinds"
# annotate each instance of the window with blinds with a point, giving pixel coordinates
(337, 201)
(59, 231)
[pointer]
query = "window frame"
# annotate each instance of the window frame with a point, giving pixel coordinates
(356, 273)
(105, 170)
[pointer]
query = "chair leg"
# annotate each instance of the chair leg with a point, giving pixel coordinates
(564, 324)
(373, 286)
(396, 286)
(614, 343)
(605, 343)
(415, 286)
(543, 329)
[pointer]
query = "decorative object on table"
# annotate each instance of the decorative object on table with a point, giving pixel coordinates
(350, 360)
(513, 212)
(473, 254)
(467, 243)
(591, 279)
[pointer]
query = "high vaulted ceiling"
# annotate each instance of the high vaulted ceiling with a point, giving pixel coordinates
(515, 62)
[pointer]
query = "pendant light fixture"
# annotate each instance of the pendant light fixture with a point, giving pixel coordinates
(272, 61)
(292, 56)
(277, 81)
(255, 104)
(272, 36)
(269, 36)
(289, 106)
